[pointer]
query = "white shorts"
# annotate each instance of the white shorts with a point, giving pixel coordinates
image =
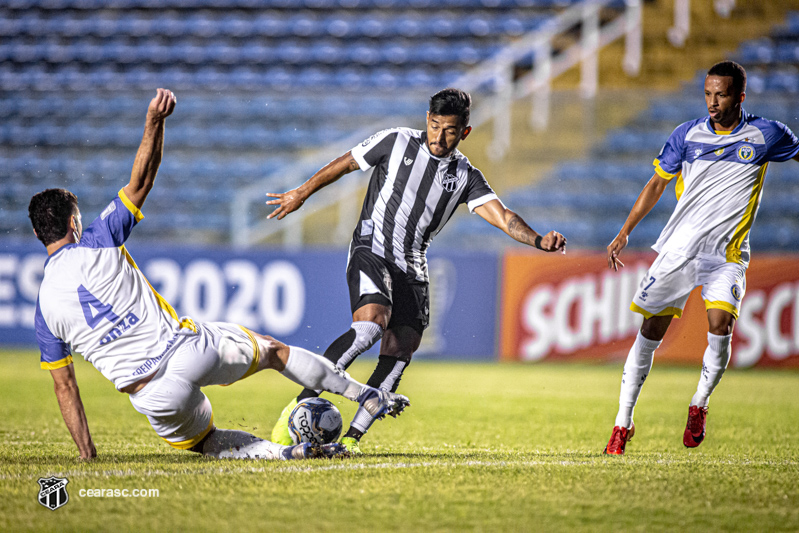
(671, 278)
(219, 354)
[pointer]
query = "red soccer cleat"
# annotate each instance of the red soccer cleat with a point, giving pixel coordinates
(618, 440)
(695, 428)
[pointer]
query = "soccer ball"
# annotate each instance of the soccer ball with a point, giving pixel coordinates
(315, 420)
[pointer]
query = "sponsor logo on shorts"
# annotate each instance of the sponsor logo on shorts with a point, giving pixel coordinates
(736, 292)
(151, 362)
(746, 152)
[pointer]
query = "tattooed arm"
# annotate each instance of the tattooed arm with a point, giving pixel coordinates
(292, 200)
(503, 218)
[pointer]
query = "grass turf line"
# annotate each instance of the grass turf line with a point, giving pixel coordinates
(482, 447)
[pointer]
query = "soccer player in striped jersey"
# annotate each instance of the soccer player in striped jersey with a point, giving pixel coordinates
(418, 181)
(719, 164)
(94, 299)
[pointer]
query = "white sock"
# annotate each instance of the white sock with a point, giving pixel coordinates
(636, 369)
(714, 363)
(366, 335)
(315, 372)
(233, 444)
(362, 420)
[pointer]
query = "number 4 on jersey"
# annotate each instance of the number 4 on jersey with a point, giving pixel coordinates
(93, 309)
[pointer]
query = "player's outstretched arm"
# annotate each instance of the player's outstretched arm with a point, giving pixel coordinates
(148, 157)
(503, 218)
(643, 205)
(290, 201)
(66, 390)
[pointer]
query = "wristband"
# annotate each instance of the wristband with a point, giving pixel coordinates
(537, 243)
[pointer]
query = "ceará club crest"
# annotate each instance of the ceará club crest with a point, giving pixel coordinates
(449, 182)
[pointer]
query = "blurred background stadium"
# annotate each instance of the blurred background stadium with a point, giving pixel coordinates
(573, 100)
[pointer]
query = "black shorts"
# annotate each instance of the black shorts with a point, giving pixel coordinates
(373, 280)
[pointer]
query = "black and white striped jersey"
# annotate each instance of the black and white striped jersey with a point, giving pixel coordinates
(411, 195)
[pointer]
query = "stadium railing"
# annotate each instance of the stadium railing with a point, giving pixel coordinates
(495, 75)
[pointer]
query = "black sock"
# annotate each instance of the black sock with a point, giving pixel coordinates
(386, 364)
(339, 346)
(387, 374)
(353, 433)
(332, 354)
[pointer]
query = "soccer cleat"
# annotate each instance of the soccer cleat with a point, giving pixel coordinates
(618, 440)
(695, 427)
(352, 444)
(280, 433)
(380, 403)
(311, 450)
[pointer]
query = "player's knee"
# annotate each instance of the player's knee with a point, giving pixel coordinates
(720, 322)
(654, 328)
(722, 328)
(400, 346)
(376, 313)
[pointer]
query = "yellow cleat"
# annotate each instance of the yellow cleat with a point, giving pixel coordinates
(352, 444)
(280, 433)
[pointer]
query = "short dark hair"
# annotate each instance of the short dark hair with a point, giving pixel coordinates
(49, 212)
(732, 69)
(451, 102)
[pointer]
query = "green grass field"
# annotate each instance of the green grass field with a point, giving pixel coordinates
(484, 447)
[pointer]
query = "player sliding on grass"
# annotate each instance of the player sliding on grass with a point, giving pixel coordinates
(95, 299)
(419, 179)
(720, 164)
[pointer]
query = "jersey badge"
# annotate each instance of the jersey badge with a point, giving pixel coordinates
(719, 151)
(449, 182)
(746, 152)
(736, 292)
(408, 161)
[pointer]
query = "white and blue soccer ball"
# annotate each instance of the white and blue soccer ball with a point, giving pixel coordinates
(315, 420)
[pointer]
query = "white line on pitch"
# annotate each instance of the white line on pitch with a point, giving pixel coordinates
(226, 468)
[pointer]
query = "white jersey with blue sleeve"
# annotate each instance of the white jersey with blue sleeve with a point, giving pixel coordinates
(94, 299)
(719, 184)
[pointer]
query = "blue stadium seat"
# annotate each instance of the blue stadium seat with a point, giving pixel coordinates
(269, 25)
(254, 77)
(303, 25)
(783, 81)
(787, 53)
